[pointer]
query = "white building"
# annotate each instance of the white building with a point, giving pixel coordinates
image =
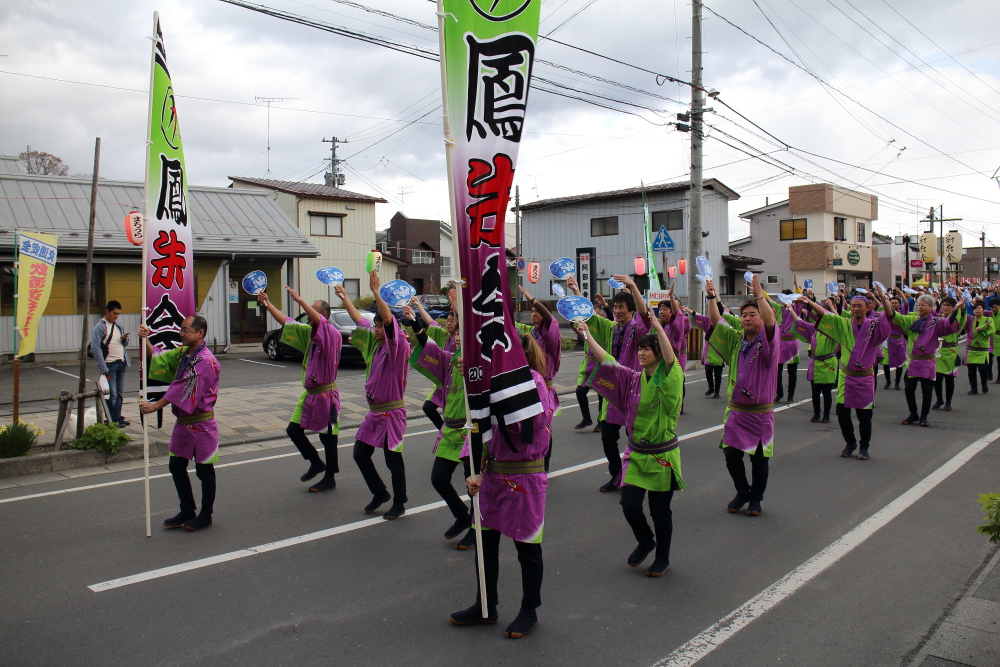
(607, 227)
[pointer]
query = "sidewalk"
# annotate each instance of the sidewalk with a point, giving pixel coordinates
(969, 634)
(244, 415)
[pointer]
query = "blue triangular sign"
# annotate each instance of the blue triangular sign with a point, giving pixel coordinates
(663, 242)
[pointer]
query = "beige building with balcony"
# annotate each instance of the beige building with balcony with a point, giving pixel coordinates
(822, 232)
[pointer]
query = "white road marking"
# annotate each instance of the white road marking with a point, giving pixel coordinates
(139, 479)
(714, 636)
(251, 361)
(56, 370)
(330, 532)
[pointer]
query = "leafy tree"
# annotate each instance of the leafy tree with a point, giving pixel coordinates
(37, 162)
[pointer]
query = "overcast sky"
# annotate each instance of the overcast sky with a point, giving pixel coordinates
(918, 114)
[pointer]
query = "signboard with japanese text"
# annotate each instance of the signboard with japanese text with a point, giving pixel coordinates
(169, 256)
(36, 256)
(585, 261)
(488, 60)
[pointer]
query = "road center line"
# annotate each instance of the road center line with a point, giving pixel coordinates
(56, 370)
(713, 637)
(337, 530)
(251, 361)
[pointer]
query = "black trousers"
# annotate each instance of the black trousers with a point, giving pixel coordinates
(714, 376)
(178, 467)
(609, 438)
(581, 398)
(432, 412)
(926, 392)
(530, 558)
(793, 378)
(659, 511)
(983, 371)
(885, 371)
(441, 474)
(946, 382)
(393, 461)
(826, 391)
(298, 436)
(847, 425)
(758, 470)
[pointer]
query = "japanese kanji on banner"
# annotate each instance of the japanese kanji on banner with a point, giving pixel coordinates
(36, 256)
(489, 54)
(169, 258)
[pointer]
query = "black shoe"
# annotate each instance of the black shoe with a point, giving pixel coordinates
(973, 393)
(378, 501)
(886, 386)
(737, 503)
(937, 406)
(910, 421)
(584, 424)
(522, 625)
(179, 520)
(709, 392)
(123, 423)
(325, 484)
(791, 399)
(199, 522)
(658, 567)
(815, 418)
(640, 553)
(315, 468)
(597, 429)
(609, 486)
(846, 453)
(863, 454)
(777, 399)
(456, 529)
(754, 508)
(467, 542)
(397, 510)
(896, 387)
(474, 616)
(716, 395)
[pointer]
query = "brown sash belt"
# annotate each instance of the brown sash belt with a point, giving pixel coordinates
(859, 374)
(922, 357)
(788, 338)
(824, 357)
(654, 448)
(456, 424)
(195, 419)
(385, 407)
(752, 409)
(944, 345)
(319, 390)
(895, 337)
(968, 347)
(549, 384)
(515, 467)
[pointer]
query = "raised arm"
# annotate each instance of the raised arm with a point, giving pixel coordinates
(279, 316)
(573, 286)
(886, 304)
(666, 349)
(383, 308)
(583, 331)
(766, 312)
(640, 303)
(675, 304)
(424, 315)
(713, 311)
(348, 305)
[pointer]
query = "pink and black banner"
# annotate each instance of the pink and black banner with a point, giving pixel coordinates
(488, 57)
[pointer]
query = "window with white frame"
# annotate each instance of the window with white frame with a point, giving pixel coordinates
(423, 257)
(353, 288)
(861, 232)
(445, 266)
(840, 229)
(772, 279)
(326, 225)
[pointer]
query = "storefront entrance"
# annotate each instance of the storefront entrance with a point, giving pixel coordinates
(248, 322)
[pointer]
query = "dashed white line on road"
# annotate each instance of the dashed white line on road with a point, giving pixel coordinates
(262, 363)
(56, 370)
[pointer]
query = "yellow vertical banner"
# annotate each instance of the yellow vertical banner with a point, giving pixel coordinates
(36, 265)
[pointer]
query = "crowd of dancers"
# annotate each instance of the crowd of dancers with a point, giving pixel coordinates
(634, 360)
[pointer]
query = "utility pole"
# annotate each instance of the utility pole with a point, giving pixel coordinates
(697, 139)
(268, 100)
(517, 234)
(335, 177)
(940, 219)
(982, 240)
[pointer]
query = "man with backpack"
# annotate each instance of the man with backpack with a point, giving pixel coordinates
(107, 347)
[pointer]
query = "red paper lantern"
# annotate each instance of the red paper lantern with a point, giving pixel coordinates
(640, 266)
(534, 272)
(682, 265)
(672, 272)
(134, 227)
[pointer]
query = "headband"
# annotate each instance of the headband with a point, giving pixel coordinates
(860, 297)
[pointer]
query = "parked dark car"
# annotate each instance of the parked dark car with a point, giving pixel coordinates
(436, 305)
(340, 318)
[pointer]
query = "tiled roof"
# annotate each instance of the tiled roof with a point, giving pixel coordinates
(708, 183)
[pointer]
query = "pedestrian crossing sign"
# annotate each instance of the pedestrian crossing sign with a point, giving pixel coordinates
(662, 242)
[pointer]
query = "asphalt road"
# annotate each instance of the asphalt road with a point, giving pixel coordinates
(274, 590)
